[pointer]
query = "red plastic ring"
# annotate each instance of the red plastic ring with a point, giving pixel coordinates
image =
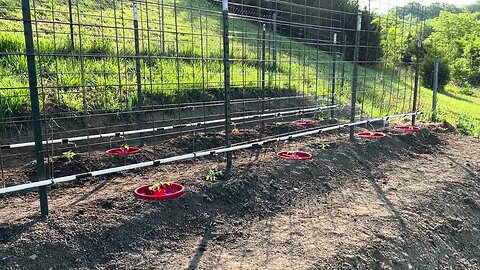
(304, 122)
(371, 135)
(295, 155)
(122, 151)
(407, 128)
(172, 191)
(240, 132)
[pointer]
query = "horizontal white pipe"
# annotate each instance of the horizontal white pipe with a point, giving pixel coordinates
(130, 132)
(189, 156)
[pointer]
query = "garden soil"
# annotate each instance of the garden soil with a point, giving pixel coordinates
(405, 201)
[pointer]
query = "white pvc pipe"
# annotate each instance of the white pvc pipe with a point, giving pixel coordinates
(130, 132)
(188, 156)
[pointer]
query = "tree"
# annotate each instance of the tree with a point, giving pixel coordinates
(422, 12)
(455, 37)
(427, 68)
(452, 31)
(472, 55)
(398, 38)
(475, 7)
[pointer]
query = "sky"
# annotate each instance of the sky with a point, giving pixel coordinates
(385, 5)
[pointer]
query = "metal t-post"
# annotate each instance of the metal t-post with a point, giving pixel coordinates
(226, 78)
(334, 61)
(274, 37)
(263, 74)
(70, 17)
(138, 73)
(32, 82)
(435, 90)
(354, 75)
(137, 56)
(417, 76)
(344, 51)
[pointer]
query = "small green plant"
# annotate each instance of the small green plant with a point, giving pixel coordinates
(158, 186)
(235, 130)
(213, 174)
(279, 124)
(465, 125)
(324, 146)
(467, 92)
(69, 155)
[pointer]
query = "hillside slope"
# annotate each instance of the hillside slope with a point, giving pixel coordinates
(181, 60)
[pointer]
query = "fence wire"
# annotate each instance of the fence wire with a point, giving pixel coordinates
(152, 74)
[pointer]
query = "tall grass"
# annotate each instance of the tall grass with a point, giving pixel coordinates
(100, 70)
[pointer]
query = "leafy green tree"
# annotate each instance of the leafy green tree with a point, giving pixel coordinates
(472, 55)
(475, 7)
(422, 12)
(455, 36)
(427, 68)
(398, 38)
(452, 31)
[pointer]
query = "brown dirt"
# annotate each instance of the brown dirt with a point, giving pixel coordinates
(402, 202)
(22, 168)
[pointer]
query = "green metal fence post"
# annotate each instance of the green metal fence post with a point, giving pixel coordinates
(344, 51)
(70, 18)
(226, 77)
(32, 82)
(264, 67)
(354, 75)
(334, 62)
(274, 38)
(435, 90)
(138, 73)
(417, 76)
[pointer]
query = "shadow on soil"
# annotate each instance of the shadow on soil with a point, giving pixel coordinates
(254, 192)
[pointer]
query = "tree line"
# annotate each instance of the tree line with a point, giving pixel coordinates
(450, 33)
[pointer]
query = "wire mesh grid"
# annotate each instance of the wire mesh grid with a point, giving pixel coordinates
(151, 73)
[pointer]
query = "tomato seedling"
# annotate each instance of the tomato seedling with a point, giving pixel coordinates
(69, 155)
(212, 175)
(158, 186)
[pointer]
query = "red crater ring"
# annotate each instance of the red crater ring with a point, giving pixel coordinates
(407, 128)
(122, 151)
(172, 191)
(240, 132)
(304, 122)
(371, 135)
(295, 155)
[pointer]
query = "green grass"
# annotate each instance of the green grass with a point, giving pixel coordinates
(459, 106)
(105, 77)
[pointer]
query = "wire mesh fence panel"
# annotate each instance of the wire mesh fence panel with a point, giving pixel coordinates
(153, 75)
